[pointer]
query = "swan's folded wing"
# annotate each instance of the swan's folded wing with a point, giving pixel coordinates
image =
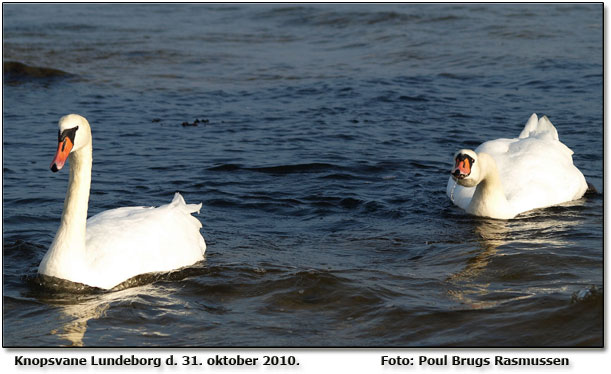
(125, 242)
(539, 172)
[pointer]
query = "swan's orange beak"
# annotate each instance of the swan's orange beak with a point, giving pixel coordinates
(462, 168)
(63, 150)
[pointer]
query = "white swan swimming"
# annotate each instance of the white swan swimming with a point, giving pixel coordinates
(505, 177)
(115, 245)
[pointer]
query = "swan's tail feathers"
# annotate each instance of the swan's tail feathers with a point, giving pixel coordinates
(539, 128)
(179, 201)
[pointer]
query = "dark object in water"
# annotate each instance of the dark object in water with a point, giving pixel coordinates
(16, 71)
(195, 123)
(591, 189)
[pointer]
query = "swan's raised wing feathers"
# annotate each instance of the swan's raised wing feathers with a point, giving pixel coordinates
(539, 128)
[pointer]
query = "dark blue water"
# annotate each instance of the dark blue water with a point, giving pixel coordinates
(321, 154)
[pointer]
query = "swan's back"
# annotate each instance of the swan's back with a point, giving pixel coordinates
(536, 169)
(124, 242)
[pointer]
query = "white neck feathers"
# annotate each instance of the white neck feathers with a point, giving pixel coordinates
(65, 258)
(489, 198)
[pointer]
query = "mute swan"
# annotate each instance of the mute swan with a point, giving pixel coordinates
(505, 177)
(115, 245)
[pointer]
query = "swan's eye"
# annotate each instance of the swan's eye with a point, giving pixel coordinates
(68, 133)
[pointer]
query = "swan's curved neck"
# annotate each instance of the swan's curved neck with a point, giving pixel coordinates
(489, 199)
(67, 252)
(74, 216)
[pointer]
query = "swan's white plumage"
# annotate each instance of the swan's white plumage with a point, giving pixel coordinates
(118, 244)
(145, 239)
(535, 170)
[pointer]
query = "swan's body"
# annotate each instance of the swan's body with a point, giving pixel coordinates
(115, 245)
(505, 177)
